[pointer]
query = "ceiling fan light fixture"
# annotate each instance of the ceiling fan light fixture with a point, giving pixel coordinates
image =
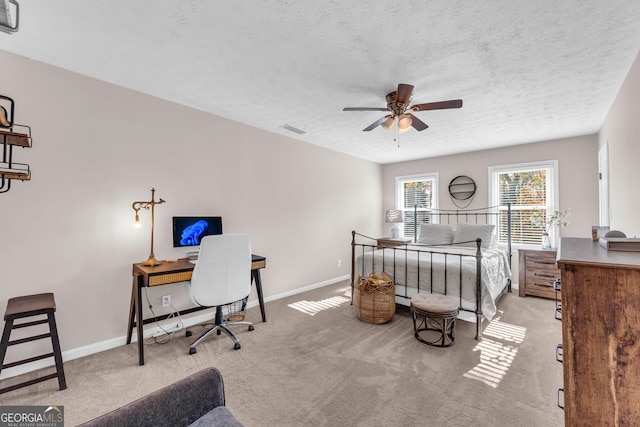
(398, 104)
(404, 123)
(388, 124)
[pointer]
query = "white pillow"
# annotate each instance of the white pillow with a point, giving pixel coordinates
(495, 239)
(470, 232)
(435, 234)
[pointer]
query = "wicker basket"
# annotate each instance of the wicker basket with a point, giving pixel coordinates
(374, 298)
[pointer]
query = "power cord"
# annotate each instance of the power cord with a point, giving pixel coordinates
(165, 337)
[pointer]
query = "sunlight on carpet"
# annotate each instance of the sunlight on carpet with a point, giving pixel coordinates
(314, 307)
(505, 331)
(496, 357)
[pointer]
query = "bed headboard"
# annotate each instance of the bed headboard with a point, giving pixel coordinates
(499, 215)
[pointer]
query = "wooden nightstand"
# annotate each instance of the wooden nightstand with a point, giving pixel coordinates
(537, 272)
(388, 242)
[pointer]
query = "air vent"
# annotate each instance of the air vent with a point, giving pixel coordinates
(292, 129)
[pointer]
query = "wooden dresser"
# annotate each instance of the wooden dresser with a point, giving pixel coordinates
(600, 334)
(537, 271)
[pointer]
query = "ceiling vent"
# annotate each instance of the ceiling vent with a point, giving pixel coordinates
(292, 129)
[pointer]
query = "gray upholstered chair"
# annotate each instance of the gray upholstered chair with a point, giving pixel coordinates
(221, 276)
(197, 400)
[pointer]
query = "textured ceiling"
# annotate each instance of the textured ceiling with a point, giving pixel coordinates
(527, 70)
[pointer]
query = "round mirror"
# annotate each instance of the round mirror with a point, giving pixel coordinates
(462, 188)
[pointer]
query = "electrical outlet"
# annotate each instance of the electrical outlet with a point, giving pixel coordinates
(166, 300)
(339, 263)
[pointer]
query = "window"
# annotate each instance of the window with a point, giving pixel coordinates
(415, 195)
(529, 187)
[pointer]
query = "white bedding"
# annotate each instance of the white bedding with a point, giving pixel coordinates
(495, 273)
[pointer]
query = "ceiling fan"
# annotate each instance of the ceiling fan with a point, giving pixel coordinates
(398, 105)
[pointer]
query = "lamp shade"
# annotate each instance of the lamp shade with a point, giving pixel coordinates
(394, 215)
(404, 122)
(388, 124)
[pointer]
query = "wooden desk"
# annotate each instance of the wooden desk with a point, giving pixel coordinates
(174, 272)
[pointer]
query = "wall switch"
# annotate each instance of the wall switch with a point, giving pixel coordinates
(166, 300)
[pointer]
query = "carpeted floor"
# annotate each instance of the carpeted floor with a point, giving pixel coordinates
(313, 363)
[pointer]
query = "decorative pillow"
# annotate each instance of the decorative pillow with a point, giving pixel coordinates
(470, 232)
(495, 240)
(435, 234)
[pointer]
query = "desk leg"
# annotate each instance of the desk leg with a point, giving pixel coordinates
(132, 309)
(139, 322)
(255, 275)
(135, 316)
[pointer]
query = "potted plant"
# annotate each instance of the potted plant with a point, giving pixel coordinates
(557, 219)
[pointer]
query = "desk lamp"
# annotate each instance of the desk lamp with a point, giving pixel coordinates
(151, 261)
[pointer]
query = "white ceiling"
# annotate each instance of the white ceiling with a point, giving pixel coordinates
(527, 70)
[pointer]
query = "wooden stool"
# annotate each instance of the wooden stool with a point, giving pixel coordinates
(439, 314)
(28, 306)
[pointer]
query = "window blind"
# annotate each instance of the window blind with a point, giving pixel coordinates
(528, 191)
(415, 195)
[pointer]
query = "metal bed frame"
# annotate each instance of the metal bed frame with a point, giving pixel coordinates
(399, 255)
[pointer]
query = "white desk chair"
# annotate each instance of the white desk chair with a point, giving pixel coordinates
(221, 276)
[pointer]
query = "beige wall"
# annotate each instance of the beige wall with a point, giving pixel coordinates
(577, 175)
(98, 147)
(621, 129)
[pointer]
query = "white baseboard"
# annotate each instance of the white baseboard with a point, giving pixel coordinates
(307, 288)
(76, 353)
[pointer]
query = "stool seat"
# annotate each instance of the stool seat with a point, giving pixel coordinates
(434, 303)
(438, 315)
(23, 306)
(30, 306)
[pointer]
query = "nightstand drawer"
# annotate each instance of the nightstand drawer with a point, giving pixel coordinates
(543, 278)
(538, 272)
(542, 261)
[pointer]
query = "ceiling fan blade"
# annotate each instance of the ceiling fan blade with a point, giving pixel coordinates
(442, 105)
(365, 109)
(417, 123)
(375, 124)
(403, 95)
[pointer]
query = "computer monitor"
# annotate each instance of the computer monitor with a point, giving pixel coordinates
(189, 230)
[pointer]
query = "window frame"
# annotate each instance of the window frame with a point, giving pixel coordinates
(552, 189)
(401, 180)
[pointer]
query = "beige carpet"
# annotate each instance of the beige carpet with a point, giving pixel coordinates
(313, 363)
